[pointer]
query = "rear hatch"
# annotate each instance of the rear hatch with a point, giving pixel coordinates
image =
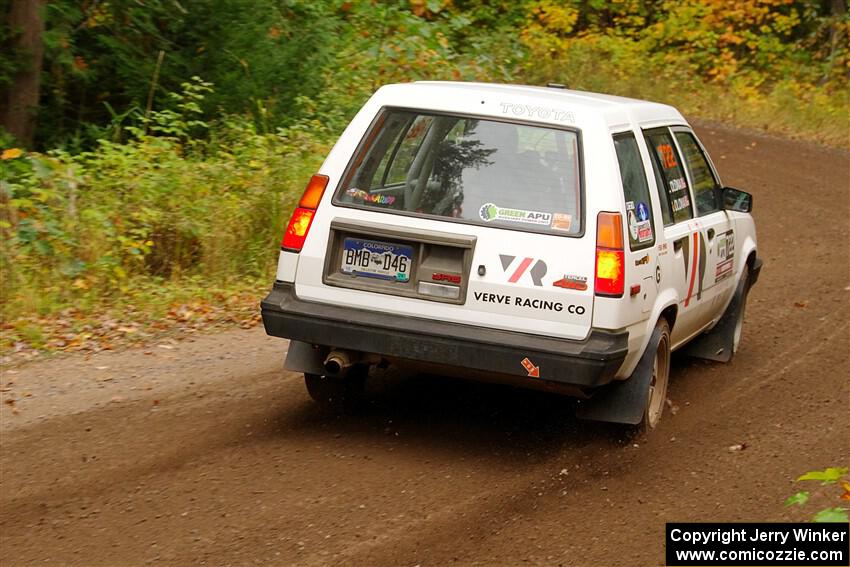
(458, 219)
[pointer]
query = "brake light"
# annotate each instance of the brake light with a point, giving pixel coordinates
(302, 217)
(296, 231)
(610, 257)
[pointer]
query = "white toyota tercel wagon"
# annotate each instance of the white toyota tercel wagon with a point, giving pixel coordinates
(535, 236)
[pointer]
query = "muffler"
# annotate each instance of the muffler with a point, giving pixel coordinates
(337, 362)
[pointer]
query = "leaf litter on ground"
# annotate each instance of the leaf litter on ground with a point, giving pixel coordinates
(112, 328)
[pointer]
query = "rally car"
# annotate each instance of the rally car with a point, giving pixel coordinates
(536, 236)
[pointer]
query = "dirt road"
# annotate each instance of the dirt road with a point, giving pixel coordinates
(206, 453)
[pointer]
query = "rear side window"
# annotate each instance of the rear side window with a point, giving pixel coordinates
(705, 184)
(636, 192)
(668, 165)
(468, 170)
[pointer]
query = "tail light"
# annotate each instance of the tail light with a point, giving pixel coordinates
(610, 257)
(302, 217)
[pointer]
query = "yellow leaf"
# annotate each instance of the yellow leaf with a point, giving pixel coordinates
(11, 153)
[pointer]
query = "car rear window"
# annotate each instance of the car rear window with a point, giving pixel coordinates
(467, 169)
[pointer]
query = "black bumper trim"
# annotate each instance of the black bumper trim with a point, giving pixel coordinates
(588, 363)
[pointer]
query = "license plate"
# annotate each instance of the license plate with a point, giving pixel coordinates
(375, 259)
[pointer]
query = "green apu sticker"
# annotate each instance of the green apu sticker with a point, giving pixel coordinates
(490, 212)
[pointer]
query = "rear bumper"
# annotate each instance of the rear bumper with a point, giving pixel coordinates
(587, 364)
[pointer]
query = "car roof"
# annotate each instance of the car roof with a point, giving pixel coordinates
(614, 110)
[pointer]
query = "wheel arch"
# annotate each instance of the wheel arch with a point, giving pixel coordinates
(667, 307)
(669, 313)
(748, 255)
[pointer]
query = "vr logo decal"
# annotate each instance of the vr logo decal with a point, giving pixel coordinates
(537, 272)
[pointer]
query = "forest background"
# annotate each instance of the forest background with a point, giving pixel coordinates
(152, 149)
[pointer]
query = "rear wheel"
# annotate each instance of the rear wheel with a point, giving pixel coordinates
(657, 396)
(338, 392)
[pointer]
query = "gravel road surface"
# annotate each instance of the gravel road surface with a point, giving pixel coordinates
(205, 452)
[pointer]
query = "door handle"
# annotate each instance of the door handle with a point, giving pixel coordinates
(711, 234)
(677, 244)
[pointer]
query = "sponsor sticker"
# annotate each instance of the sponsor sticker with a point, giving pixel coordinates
(642, 261)
(490, 212)
(726, 245)
(723, 270)
(362, 195)
(681, 203)
(725, 255)
(562, 221)
(578, 283)
(678, 184)
(642, 211)
(644, 231)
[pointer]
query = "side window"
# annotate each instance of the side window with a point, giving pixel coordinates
(668, 164)
(636, 191)
(705, 184)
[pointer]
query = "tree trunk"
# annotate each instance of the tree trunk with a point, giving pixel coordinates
(17, 116)
(838, 9)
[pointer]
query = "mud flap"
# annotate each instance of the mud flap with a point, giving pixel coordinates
(718, 344)
(624, 401)
(302, 357)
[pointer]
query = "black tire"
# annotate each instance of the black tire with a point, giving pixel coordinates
(741, 310)
(341, 393)
(656, 397)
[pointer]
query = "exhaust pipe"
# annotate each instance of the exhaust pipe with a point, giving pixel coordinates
(337, 361)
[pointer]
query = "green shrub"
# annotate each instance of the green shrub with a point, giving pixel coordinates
(83, 229)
